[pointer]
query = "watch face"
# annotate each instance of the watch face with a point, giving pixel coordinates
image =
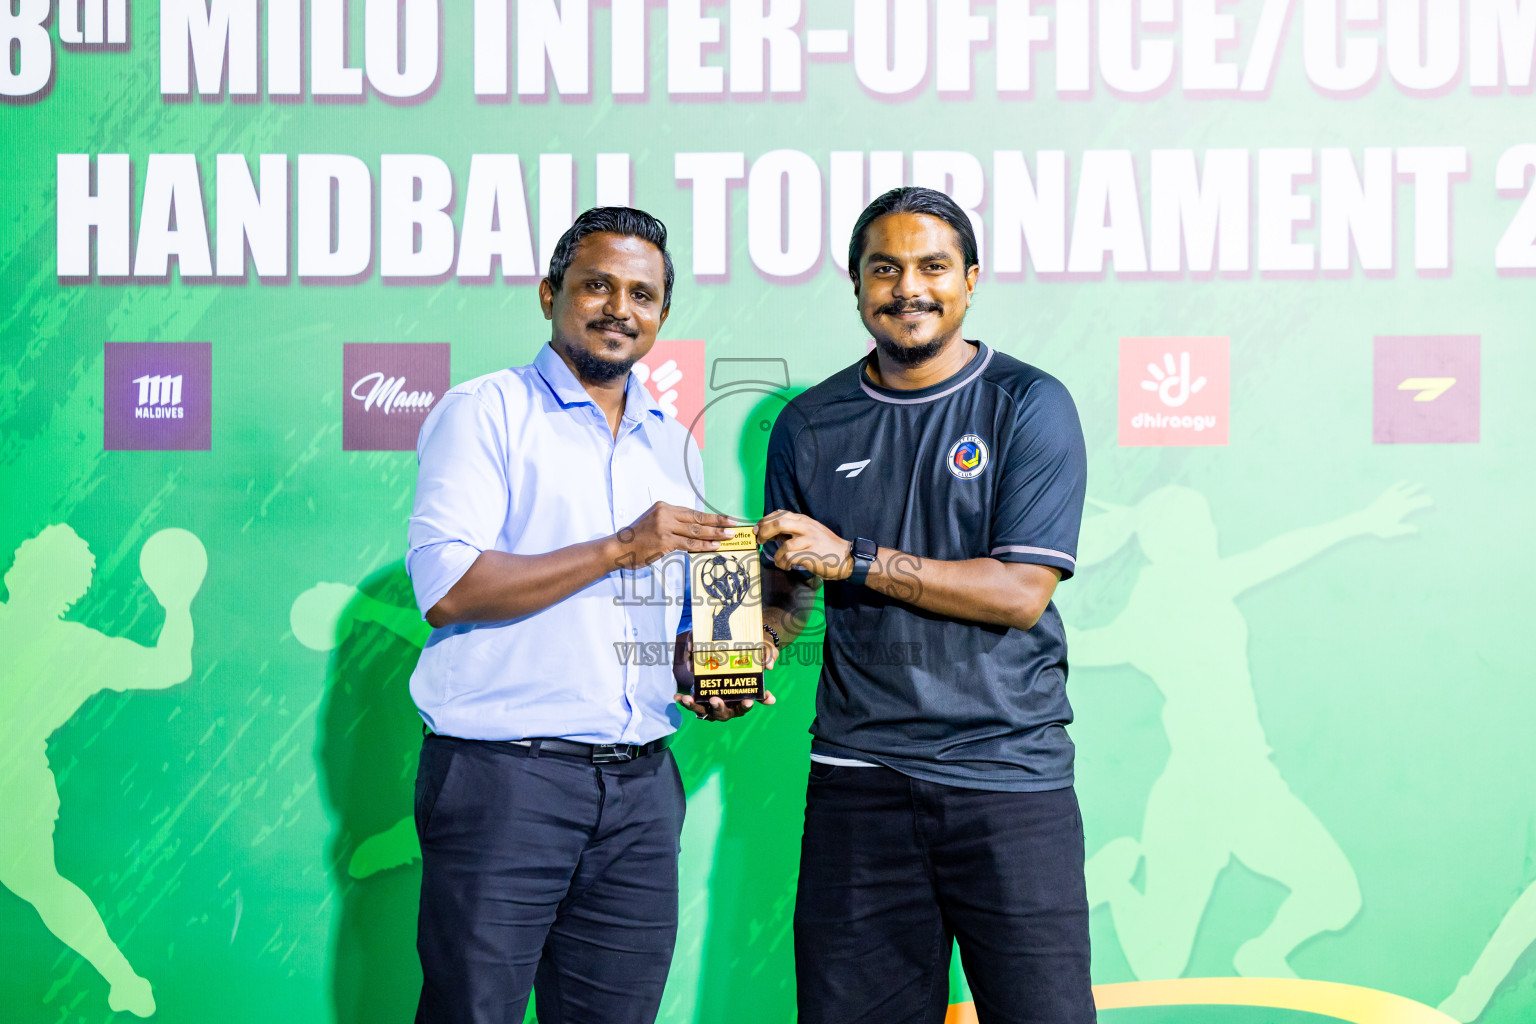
(865, 548)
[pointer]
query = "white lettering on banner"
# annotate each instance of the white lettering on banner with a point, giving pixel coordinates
(758, 25)
(159, 390)
(688, 32)
(556, 36)
(25, 42)
(1108, 215)
(496, 219)
(1517, 248)
(244, 216)
(956, 31)
(1352, 209)
(1147, 420)
(710, 174)
(106, 23)
(172, 192)
(388, 394)
(414, 193)
(1501, 42)
(1208, 213)
(201, 39)
(890, 44)
(718, 49)
(1205, 211)
(1124, 70)
(159, 398)
(784, 213)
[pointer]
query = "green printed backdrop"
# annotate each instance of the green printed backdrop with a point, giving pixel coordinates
(1301, 661)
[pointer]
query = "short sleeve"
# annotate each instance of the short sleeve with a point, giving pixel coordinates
(461, 494)
(781, 478)
(696, 480)
(1040, 491)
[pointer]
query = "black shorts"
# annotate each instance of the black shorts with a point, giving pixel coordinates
(894, 870)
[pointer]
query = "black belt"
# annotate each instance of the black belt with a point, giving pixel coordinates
(597, 753)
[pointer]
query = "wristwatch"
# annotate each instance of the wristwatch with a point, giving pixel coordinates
(864, 552)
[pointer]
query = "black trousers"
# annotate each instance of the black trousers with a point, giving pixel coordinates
(547, 873)
(894, 870)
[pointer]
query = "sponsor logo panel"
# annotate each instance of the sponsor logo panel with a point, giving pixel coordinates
(1428, 389)
(158, 396)
(1174, 391)
(387, 390)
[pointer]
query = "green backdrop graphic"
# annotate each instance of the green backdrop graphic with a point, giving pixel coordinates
(1300, 660)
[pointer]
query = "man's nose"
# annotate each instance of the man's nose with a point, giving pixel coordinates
(910, 283)
(617, 306)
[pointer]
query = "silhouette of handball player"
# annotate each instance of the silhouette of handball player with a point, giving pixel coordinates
(1220, 795)
(48, 667)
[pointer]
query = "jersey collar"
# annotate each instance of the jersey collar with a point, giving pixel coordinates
(933, 392)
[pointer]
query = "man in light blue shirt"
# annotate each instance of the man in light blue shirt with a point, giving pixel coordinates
(554, 506)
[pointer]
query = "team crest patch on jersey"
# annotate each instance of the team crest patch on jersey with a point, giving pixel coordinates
(968, 457)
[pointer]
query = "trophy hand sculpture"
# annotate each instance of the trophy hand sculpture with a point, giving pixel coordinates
(725, 580)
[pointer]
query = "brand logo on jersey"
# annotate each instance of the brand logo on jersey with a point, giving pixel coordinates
(853, 469)
(968, 457)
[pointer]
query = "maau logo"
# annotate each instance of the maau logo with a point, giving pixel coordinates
(1173, 391)
(389, 390)
(157, 396)
(1428, 389)
(389, 394)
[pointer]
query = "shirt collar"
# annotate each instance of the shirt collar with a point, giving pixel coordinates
(638, 402)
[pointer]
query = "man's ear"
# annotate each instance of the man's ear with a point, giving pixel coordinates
(666, 311)
(547, 298)
(971, 274)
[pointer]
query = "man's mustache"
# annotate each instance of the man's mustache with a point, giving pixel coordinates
(614, 325)
(915, 306)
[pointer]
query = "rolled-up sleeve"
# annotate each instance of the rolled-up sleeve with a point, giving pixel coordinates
(461, 494)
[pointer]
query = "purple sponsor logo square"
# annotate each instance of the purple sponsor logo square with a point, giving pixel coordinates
(1428, 389)
(387, 391)
(158, 396)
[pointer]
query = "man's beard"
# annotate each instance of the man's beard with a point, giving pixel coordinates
(909, 355)
(594, 369)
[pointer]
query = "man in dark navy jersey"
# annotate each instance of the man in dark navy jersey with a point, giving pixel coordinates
(936, 488)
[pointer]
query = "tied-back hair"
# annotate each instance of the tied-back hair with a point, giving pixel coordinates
(613, 220)
(913, 199)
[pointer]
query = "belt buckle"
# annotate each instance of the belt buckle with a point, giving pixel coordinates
(611, 753)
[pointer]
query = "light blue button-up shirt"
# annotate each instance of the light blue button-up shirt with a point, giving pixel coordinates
(523, 461)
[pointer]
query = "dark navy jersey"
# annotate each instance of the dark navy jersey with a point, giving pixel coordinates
(989, 463)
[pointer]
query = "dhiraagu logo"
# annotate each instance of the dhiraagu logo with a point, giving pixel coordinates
(1173, 391)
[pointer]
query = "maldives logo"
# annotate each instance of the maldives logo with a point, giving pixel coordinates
(1174, 391)
(1428, 389)
(157, 396)
(387, 391)
(673, 372)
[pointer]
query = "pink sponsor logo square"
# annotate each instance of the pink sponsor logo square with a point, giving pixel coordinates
(387, 391)
(1174, 391)
(1428, 389)
(673, 372)
(158, 396)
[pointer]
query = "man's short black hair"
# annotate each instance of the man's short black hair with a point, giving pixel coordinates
(913, 199)
(614, 220)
